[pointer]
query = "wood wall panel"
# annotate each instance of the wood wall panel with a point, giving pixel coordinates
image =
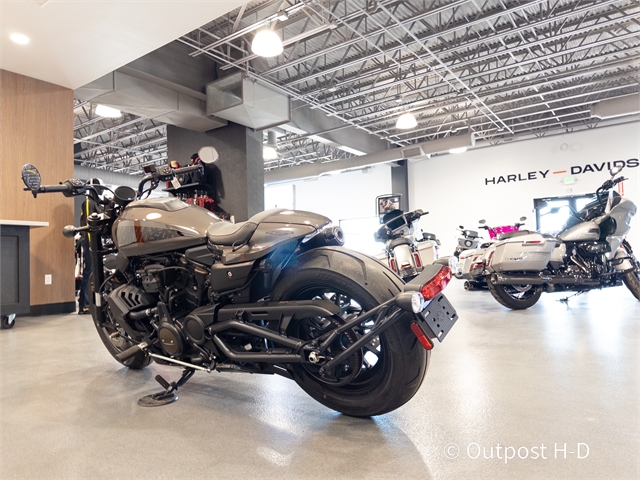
(36, 126)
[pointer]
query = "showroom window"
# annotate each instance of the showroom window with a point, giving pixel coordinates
(552, 213)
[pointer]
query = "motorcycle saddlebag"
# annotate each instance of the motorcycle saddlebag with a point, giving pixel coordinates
(467, 259)
(528, 252)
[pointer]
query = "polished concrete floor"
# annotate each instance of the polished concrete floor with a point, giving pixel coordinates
(550, 392)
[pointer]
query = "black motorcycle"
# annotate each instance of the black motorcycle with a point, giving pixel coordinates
(277, 294)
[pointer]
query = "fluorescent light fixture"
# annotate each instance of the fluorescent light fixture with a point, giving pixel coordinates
(267, 43)
(406, 121)
(104, 111)
(458, 150)
(19, 38)
(269, 153)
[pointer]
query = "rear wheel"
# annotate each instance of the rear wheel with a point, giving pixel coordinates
(632, 281)
(387, 372)
(515, 297)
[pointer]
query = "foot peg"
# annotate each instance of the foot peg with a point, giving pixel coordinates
(168, 396)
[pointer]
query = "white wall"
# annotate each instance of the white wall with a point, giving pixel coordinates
(453, 187)
(345, 196)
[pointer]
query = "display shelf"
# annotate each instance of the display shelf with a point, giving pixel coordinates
(204, 186)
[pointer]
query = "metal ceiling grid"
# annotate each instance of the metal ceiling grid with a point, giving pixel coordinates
(506, 69)
(124, 144)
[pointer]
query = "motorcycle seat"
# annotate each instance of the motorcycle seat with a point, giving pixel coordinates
(230, 234)
(504, 236)
(399, 241)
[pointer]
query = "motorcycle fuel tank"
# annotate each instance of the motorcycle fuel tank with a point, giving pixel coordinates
(159, 225)
(581, 232)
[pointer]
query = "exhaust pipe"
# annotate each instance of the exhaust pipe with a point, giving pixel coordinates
(574, 280)
(499, 279)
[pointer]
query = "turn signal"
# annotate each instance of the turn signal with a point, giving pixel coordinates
(422, 338)
(434, 286)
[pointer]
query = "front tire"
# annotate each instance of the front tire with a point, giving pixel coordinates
(515, 297)
(632, 282)
(393, 365)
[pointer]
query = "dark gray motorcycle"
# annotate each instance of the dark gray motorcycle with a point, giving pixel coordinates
(277, 294)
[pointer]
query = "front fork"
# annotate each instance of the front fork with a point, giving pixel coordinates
(95, 251)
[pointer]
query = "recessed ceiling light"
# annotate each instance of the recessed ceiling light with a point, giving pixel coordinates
(104, 111)
(19, 38)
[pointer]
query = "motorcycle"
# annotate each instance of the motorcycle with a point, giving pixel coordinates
(590, 252)
(467, 240)
(471, 261)
(406, 248)
(277, 294)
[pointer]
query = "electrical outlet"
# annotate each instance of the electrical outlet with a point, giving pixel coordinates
(47, 279)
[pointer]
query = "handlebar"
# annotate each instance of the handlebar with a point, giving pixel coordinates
(165, 173)
(64, 188)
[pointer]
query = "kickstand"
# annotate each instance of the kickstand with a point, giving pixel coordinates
(168, 396)
(566, 299)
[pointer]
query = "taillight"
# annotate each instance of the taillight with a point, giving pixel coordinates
(422, 338)
(532, 242)
(417, 259)
(434, 286)
(392, 262)
(490, 257)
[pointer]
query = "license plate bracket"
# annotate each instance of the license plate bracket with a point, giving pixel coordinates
(438, 318)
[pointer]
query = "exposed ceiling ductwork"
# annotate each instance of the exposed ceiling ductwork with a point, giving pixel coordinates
(417, 151)
(617, 107)
(150, 97)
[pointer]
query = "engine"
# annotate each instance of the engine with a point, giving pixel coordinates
(588, 259)
(159, 297)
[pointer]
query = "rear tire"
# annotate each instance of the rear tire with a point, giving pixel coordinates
(632, 282)
(515, 297)
(354, 280)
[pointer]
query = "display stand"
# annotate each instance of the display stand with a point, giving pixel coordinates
(200, 192)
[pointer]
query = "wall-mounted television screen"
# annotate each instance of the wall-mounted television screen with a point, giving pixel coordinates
(387, 203)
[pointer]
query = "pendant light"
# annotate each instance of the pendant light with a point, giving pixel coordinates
(406, 121)
(269, 151)
(267, 43)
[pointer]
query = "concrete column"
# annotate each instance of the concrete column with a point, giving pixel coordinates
(400, 183)
(239, 173)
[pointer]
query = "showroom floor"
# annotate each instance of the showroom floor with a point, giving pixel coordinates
(551, 392)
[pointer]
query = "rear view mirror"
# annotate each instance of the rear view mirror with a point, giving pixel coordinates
(522, 219)
(31, 177)
(482, 222)
(615, 170)
(208, 155)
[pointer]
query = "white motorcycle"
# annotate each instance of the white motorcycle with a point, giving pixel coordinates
(406, 248)
(591, 252)
(471, 261)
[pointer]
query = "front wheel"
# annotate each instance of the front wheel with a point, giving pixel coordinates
(515, 297)
(383, 375)
(632, 282)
